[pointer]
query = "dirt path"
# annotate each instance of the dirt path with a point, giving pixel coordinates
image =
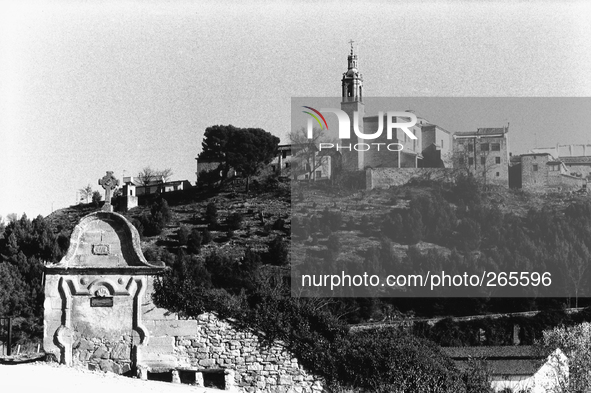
(53, 378)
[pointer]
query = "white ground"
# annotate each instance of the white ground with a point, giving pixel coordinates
(53, 378)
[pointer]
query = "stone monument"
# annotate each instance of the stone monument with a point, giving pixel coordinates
(109, 183)
(94, 295)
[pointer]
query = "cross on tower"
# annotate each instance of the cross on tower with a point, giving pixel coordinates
(351, 42)
(109, 183)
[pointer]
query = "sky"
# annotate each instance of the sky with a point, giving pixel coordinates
(89, 87)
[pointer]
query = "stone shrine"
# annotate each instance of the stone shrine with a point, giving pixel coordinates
(94, 295)
(99, 313)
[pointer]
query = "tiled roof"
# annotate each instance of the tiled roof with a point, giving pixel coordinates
(483, 131)
(505, 351)
(576, 160)
(536, 154)
(501, 360)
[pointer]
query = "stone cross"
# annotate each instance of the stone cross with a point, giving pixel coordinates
(109, 183)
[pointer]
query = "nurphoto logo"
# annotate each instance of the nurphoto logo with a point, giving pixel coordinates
(392, 122)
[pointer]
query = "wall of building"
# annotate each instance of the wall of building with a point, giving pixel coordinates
(563, 182)
(432, 134)
(493, 172)
(534, 172)
(583, 170)
(386, 177)
(537, 175)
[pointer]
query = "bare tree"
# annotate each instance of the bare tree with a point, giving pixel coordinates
(306, 159)
(166, 174)
(148, 175)
(86, 193)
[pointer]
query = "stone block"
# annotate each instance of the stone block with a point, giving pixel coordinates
(284, 379)
(100, 353)
(120, 351)
(254, 367)
(207, 362)
(156, 313)
(160, 345)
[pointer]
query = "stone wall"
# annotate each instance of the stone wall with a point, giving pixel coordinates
(386, 177)
(208, 343)
(215, 344)
(565, 182)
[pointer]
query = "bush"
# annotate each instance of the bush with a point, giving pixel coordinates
(234, 221)
(194, 242)
(278, 252)
(279, 224)
(206, 237)
(211, 214)
(334, 243)
(183, 234)
(96, 198)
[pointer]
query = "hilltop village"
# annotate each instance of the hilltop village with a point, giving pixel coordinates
(436, 152)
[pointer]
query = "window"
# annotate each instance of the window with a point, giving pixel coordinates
(483, 160)
(495, 146)
(306, 176)
(470, 147)
(442, 143)
(498, 174)
(284, 154)
(484, 147)
(535, 167)
(470, 161)
(318, 174)
(497, 160)
(461, 160)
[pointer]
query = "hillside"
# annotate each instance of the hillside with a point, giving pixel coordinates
(361, 229)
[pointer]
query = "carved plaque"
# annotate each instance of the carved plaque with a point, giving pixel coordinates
(100, 249)
(101, 302)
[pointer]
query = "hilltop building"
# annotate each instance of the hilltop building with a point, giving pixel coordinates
(485, 153)
(432, 141)
(543, 169)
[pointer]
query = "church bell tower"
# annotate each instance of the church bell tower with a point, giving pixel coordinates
(352, 101)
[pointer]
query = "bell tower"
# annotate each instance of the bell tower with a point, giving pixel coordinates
(352, 101)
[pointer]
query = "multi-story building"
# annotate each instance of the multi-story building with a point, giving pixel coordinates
(485, 153)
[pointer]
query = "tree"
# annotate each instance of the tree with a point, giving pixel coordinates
(307, 160)
(246, 150)
(148, 175)
(575, 342)
(96, 198)
(86, 193)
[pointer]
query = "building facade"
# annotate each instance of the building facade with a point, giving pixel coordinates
(484, 153)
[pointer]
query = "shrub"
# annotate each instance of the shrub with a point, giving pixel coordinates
(334, 243)
(278, 252)
(96, 198)
(194, 242)
(234, 221)
(279, 224)
(183, 234)
(138, 225)
(211, 214)
(206, 237)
